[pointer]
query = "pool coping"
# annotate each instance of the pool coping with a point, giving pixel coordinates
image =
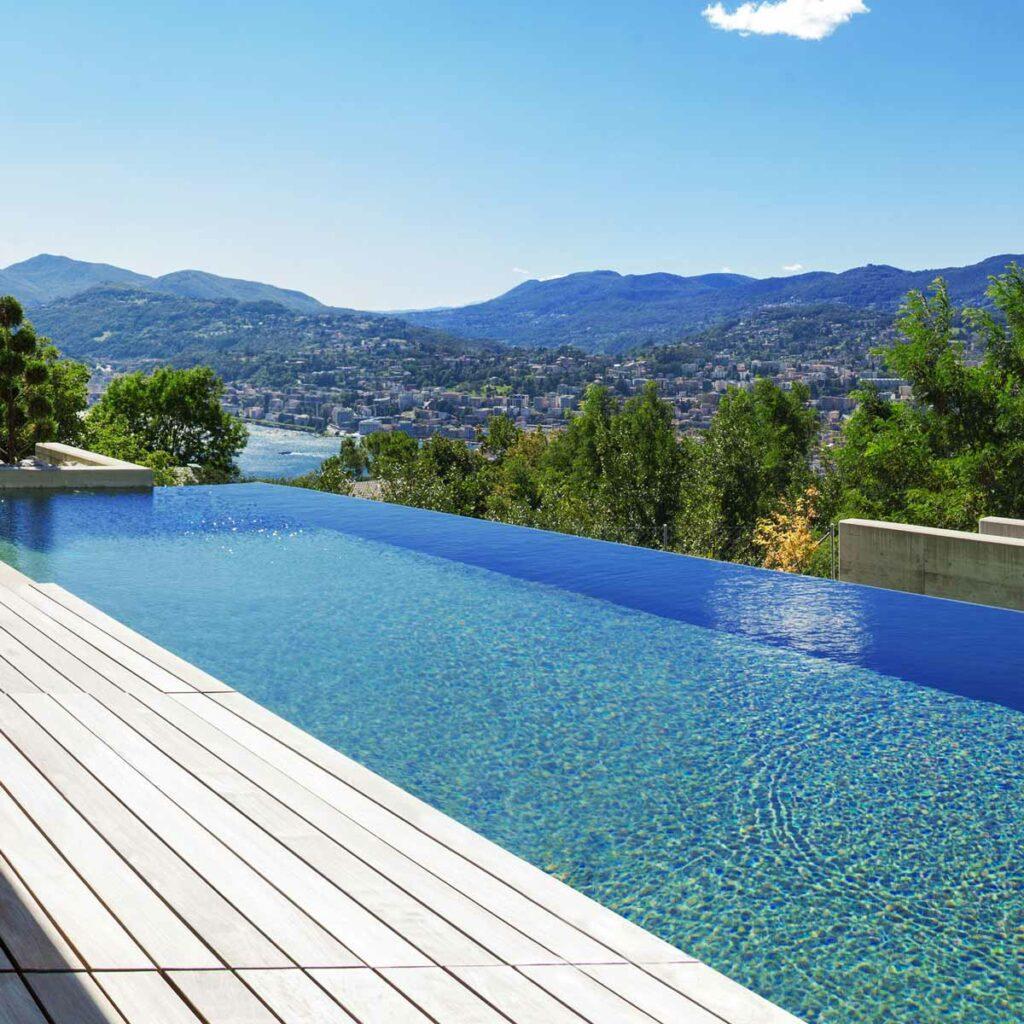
(124, 768)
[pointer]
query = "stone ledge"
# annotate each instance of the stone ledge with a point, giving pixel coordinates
(63, 467)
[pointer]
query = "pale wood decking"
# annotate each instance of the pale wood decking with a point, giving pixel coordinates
(172, 852)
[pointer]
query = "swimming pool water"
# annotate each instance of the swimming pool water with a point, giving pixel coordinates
(818, 789)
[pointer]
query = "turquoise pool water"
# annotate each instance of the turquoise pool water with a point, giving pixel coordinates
(817, 789)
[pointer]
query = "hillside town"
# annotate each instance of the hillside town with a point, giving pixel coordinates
(379, 396)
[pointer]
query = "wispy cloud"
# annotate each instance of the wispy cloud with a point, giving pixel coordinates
(521, 272)
(793, 268)
(803, 19)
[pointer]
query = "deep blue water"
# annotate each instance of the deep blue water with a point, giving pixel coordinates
(817, 788)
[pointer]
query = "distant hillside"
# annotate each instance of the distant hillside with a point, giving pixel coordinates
(605, 311)
(44, 279)
(129, 324)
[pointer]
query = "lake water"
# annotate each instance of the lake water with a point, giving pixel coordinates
(276, 453)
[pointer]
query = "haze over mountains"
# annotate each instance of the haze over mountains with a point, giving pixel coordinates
(100, 311)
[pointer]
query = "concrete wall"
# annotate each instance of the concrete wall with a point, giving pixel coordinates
(62, 467)
(993, 526)
(940, 563)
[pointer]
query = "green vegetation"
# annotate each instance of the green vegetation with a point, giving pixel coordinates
(41, 395)
(168, 419)
(957, 451)
(755, 487)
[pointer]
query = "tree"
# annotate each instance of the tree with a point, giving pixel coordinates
(755, 455)
(389, 453)
(956, 452)
(26, 410)
(173, 411)
(352, 458)
(643, 466)
(786, 537)
(67, 388)
(333, 476)
(444, 475)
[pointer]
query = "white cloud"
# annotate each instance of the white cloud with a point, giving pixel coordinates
(793, 268)
(521, 272)
(804, 19)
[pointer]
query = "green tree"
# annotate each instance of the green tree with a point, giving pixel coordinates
(26, 409)
(956, 452)
(333, 476)
(67, 388)
(177, 412)
(643, 466)
(755, 456)
(352, 458)
(444, 475)
(390, 453)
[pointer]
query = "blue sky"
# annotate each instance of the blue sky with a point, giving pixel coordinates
(400, 154)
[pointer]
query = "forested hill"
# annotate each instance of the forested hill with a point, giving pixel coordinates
(126, 325)
(47, 278)
(606, 311)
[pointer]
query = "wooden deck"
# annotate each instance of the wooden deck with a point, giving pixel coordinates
(172, 852)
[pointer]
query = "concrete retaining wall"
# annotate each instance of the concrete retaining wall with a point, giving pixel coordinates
(993, 526)
(62, 467)
(973, 567)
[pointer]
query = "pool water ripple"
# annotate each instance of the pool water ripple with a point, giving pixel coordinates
(844, 841)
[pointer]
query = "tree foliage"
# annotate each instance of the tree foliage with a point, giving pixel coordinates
(956, 452)
(174, 412)
(26, 412)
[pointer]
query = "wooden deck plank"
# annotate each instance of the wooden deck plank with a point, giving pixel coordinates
(219, 924)
(588, 997)
(661, 1002)
(12, 681)
(220, 997)
(145, 997)
(16, 1003)
(36, 626)
(721, 995)
(417, 921)
(368, 997)
(295, 997)
(569, 942)
(443, 997)
(114, 648)
(374, 942)
(28, 664)
(516, 996)
(97, 936)
(79, 674)
(73, 999)
(289, 927)
(604, 926)
(476, 921)
(170, 662)
(31, 938)
(167, 941)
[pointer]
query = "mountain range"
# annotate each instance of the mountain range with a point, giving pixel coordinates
(606, 311)
(100, 311)
(45, 278)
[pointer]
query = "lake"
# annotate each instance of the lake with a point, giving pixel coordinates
(273, 452)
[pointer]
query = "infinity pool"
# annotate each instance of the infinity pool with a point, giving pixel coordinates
(816, 788)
